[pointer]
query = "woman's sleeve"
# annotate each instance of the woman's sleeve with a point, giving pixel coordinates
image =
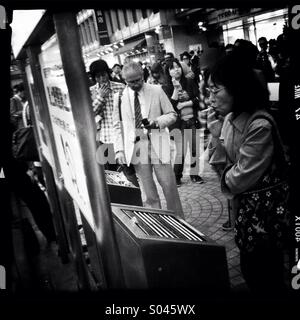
(169, 91)
(194, 93)
(255, 156)
(217, 156)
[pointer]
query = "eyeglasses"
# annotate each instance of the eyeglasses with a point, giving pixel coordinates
(214, 91)
(134, 81)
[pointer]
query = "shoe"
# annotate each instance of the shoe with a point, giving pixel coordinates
(178, 182)
(197, 179)
(227, 226)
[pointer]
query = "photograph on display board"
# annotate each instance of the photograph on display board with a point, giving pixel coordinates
(220, 85)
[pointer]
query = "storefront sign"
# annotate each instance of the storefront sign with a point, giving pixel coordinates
(166, 32)
(102, 28)
(227, 14)
(64, 130)
(224, 15)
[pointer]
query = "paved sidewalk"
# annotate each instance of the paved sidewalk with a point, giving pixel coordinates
(205, 208)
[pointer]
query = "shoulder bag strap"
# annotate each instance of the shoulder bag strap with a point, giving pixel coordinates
(278, 144)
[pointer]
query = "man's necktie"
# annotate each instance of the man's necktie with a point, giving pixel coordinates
(137, 110)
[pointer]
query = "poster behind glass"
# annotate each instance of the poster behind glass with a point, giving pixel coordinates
(64, 130)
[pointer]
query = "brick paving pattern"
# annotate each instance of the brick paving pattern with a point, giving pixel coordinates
(205, 208)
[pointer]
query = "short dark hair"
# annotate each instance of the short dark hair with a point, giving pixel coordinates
(229, 46)
(157, 68)
(262, 39)
(116, 65)
(241, 81)
(184, 54)
(246, 51)
(170, 66)
(169, 54)
(99, 66)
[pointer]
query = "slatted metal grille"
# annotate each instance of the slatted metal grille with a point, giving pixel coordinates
(162, 225)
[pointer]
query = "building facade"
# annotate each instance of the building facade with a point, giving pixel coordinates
(132, 34)
(219, 27)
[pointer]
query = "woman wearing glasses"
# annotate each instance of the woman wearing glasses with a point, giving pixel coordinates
(245, 148)
(184, 96)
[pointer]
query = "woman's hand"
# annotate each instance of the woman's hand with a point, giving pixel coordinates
(176, 84)
(214, 123)
(183, 96)
(181, 105)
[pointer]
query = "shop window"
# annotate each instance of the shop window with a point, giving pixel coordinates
(134, 16)
(270, 29)
(110, 21)
(271, 15)
(269, 25)
(232, 32)
(87, 31)
(118, 20)
(92, 28)
(125, 17)
(84, 34)
(144, 13)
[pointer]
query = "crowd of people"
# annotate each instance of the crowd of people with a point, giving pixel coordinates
(148, 116)
(229, 101)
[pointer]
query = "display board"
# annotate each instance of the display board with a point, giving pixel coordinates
(64, 129)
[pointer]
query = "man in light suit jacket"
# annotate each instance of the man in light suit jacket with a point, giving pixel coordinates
(147, 145)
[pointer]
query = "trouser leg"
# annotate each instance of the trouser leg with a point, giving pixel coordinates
(166, 179)
(145, 175)
(180, 155)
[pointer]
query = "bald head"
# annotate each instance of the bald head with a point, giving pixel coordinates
(133, 74)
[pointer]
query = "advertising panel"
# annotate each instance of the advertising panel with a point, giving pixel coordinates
(64, 130)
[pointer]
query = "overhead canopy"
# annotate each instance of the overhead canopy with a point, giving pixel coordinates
(133, 45)
(24, 22)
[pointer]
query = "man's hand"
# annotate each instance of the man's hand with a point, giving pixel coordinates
(103, 90)
(151, 125)
(214, 124)
(97, 105)
(120, 158)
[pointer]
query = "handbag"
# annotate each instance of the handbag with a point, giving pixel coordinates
(263, 215)
(24, 147)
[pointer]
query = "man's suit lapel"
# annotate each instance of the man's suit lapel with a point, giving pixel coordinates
(126, 101)
(148, 98)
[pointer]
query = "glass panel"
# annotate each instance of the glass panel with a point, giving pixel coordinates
(64, 129)
(270, 29)
(270, 15)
